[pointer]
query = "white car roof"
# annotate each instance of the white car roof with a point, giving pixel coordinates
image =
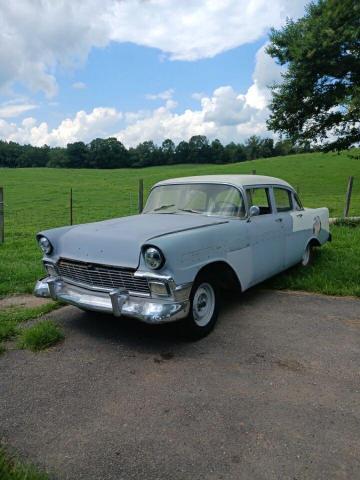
(237, 180)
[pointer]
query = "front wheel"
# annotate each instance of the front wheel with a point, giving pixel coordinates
(203, 309)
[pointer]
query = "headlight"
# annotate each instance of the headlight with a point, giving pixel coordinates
(45, 245)
(154, 259)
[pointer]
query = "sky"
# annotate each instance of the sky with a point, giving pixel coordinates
(137, 70)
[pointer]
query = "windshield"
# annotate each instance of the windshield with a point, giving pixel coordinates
(196, 198)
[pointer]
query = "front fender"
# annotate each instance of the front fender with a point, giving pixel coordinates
(186, 253)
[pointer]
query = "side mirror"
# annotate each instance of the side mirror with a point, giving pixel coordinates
(254, 211)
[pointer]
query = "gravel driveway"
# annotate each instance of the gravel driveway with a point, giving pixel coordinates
(273, 393)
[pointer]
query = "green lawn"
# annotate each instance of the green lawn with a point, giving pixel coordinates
(37, 199)
(12, 469)
(335, 271)
(12, 317)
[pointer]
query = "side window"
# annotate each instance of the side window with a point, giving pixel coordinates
(282, 199)
(259, 197)
(297, 203)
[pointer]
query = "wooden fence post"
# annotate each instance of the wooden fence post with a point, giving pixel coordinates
(71, 206)
(2, 220)
(141, 195)
(348, 196)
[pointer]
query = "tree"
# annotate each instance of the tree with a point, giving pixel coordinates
(217, 152)
(77, 154)
(107, 153)
(57, 158)
(199, 149)
(168, 151)
(235, 153)
(253, 147)
(33, 156)
(182, 152)
(318, 99)
(147, 154)
(283, 147)
(267, 147)
(110, 153)
(9, 154)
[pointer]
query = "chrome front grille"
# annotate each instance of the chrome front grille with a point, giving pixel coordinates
(102, 276)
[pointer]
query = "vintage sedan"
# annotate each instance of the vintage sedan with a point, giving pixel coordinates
(195, 236)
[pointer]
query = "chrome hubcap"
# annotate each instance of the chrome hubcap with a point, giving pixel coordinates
(306, 256)
(203, 304)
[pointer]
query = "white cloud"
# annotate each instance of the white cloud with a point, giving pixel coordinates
(165, 95)
(8, 110)
(196, 29)
(197, 95)
(265, 74)
(84, 126)
(37, 37)
(226, 114)
(79, 85)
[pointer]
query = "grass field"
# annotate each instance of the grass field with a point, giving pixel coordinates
(12, 318)
(37, 199)
(12, 469)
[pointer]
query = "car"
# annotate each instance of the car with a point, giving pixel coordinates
(195, 236)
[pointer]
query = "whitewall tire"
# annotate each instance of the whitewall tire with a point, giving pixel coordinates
(204, 308)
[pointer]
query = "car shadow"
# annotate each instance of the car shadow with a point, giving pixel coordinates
(144, 337)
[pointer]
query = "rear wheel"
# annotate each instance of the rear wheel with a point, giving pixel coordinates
(308, 256)
(204, 309)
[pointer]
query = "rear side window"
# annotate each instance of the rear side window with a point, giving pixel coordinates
(259, 197)
(282, 199)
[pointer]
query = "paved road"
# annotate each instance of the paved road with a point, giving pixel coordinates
(273, 393)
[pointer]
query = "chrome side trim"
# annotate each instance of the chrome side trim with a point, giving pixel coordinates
(152, 275)
(190, 228)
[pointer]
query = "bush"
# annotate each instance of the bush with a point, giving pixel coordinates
(40, 336)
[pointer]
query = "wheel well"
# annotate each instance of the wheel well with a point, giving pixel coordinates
(221, 272)
(314, 242)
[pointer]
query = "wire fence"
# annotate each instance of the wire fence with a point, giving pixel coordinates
(25, 211)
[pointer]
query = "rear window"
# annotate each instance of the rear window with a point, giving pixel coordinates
(282, 199)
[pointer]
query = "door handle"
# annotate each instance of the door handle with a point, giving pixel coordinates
(278, 220)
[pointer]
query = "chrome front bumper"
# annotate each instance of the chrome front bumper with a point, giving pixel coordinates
(116, 302)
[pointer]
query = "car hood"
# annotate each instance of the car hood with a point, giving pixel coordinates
(118, 242)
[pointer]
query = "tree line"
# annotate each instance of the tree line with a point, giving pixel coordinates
(110, 153)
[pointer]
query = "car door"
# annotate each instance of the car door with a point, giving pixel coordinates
(265, 235)
(284, 214)
(290, 213)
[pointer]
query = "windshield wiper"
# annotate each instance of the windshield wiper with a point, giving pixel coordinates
(162, 207)
(189, 210)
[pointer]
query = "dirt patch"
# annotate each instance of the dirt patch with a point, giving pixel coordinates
(290, 364)
(354, 323)
(28, 301)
